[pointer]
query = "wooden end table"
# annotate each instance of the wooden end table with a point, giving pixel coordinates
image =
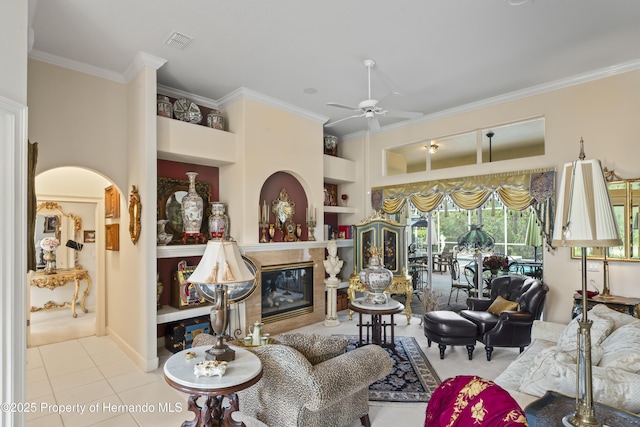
(378, 327)
(241, 373)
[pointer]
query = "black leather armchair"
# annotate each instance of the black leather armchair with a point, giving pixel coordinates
(510, 328)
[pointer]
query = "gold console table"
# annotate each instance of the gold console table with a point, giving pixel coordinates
(62, 277)
(399, 285)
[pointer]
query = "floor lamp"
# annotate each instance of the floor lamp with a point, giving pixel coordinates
(584, 218)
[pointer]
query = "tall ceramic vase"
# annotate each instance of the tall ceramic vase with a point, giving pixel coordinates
(376, 279)
(192, 208)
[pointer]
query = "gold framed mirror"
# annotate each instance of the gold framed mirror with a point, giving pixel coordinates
(625, 198)
(135, 209)
(53, 221)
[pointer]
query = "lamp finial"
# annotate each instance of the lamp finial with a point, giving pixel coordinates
(581, 156)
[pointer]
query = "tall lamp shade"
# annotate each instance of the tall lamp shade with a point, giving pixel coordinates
(221, 266)
(584, 218)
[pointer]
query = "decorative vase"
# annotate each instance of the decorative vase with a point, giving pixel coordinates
(376, 279)
(165, 108)
(215, 120)
(330, 145)
(163, 237)
(218, 222)
(50, 258)
(192, 208)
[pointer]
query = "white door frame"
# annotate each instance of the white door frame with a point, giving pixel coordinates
(13, 258)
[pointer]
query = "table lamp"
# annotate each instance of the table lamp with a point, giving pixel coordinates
(220, 268)
(476, 240)
(584, 218)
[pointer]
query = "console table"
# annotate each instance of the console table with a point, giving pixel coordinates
(243, 372)
(62, 277)
(624, 305)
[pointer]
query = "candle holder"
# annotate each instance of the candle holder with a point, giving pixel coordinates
(272, 232)
(312, 227)
(298, 232)
(263, 227)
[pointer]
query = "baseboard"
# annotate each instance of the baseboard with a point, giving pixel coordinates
(147, 365)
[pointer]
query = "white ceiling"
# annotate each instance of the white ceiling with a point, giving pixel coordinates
(439, 54)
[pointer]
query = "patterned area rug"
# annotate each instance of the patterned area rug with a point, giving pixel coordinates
(412, 380)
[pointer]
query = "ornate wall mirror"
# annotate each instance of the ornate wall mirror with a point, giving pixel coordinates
(625, 197)
(135, 209)
(52, 221)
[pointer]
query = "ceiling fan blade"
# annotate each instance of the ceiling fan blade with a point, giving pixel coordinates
(348, 107)
(329, 124)
(403, 114)
(374, 125)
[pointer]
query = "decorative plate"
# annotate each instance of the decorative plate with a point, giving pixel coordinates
(187, 111)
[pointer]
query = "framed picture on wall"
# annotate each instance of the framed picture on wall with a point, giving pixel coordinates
(50, 224)
(112, 237)
(111, 202)
(89, 236)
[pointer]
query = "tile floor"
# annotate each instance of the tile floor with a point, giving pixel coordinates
(94, 375)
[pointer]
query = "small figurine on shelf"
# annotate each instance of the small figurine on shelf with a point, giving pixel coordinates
(344, 198)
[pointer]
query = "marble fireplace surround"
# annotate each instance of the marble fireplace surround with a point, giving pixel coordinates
(266, 254)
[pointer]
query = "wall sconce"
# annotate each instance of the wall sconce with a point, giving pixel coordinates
(433, 148)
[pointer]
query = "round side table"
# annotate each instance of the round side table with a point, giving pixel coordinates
(241, 373)
(377, 325)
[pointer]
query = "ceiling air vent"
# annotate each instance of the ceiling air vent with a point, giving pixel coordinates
(178, 40)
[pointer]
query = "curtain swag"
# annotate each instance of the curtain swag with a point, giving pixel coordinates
(517, 190)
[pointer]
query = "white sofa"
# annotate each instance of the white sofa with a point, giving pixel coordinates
(549, 362)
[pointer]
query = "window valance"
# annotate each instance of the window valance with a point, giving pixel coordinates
(517, 190)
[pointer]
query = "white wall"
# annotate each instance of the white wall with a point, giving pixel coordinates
(604, 112)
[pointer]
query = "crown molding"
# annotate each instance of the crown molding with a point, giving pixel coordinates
(512, 96)
(141, 60)
(77, 66)
(244, 93)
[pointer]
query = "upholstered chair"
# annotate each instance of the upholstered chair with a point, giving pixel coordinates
(308, 380)
(505, 319)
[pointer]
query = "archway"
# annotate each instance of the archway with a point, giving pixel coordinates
(79, 193)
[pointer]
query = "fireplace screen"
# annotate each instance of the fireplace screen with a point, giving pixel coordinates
(287, 291)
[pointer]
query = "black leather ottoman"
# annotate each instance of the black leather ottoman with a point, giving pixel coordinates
(449, 328)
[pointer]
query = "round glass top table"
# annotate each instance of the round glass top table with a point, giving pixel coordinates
(241, 373)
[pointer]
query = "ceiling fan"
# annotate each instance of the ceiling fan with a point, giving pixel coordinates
(369, 107)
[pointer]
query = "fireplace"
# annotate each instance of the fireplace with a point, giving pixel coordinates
(287, 291)
(292, 256)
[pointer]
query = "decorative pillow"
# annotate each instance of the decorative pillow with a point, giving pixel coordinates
(600, 329)
(315, 347)
(501, 304)
(619, 319)
(622, 348)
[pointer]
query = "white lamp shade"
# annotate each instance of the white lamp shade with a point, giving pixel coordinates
(221, 264)
(584, 213)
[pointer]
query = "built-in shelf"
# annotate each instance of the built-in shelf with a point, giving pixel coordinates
(338, 170)
(339, 209)
(171, 314)
(175, 251)
(189, 143)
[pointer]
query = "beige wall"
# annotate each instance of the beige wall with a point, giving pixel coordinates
(270, 140)
(604, 112)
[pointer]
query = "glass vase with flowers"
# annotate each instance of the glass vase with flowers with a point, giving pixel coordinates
(495, 263)
(49, 245)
